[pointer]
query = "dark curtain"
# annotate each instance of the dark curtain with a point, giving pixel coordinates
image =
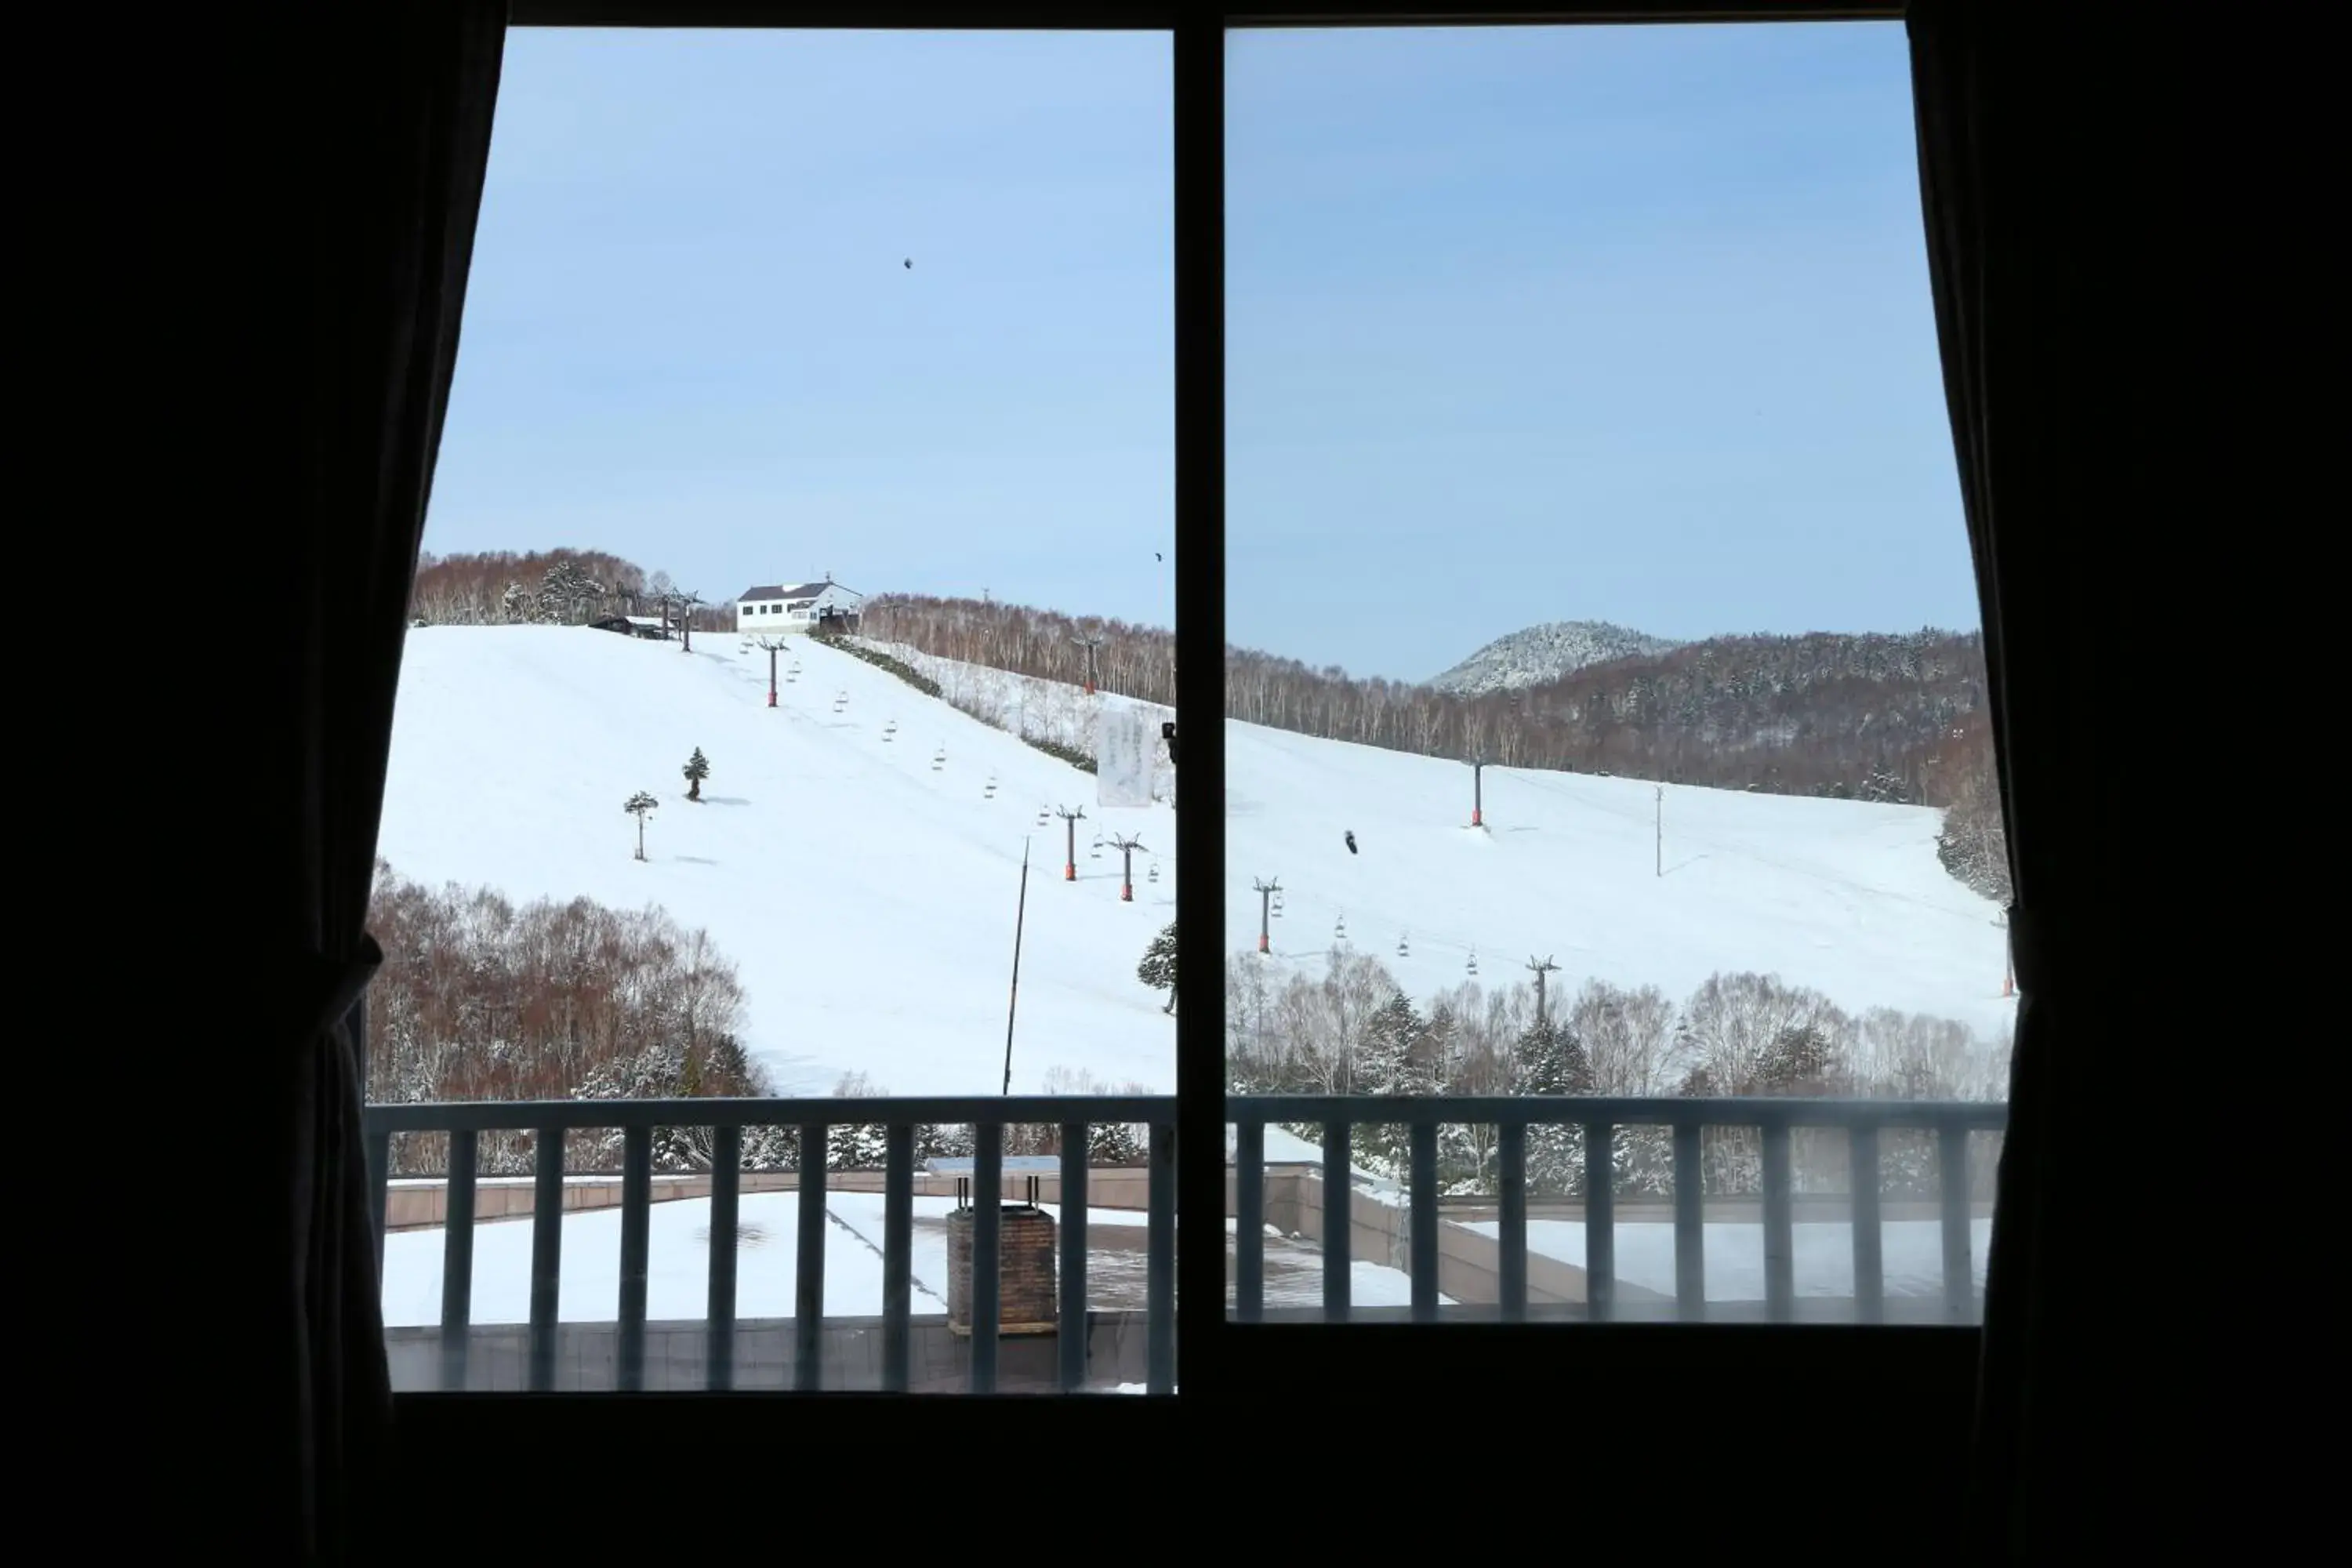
(2025, 156)
(384, 153)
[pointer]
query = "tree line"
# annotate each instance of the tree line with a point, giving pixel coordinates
(1868, 716)
(481, 998)
(550, 587)
(1353, 1030)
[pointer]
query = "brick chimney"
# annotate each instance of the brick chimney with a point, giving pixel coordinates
(1024, 1272)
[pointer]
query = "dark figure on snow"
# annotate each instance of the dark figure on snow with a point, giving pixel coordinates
(1351, 841)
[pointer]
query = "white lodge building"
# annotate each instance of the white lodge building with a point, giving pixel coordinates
(796, 607)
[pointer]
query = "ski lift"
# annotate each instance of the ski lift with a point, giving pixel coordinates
(989, 793)
(1403, 950)
(1340, 931)
(1153, 875)
(939, 758)
(793, 673)
(890, 729)
(1474, 961)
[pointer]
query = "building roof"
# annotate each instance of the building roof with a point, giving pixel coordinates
(642, 620)
(797, 591)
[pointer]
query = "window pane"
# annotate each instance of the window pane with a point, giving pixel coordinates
(1610, 739)
(837, 369)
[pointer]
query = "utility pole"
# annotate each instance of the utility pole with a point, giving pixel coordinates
(1070, 820)
(1265, 891)
(1662, 831)
(1089, 643)
(1541, 966)
(1478, 792)
(1127, 848)
(1020, 914)
(773, 645)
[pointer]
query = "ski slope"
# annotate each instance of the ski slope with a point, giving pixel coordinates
(1846, 897)
(866, 896)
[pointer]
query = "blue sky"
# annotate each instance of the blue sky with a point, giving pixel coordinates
(1621, 323)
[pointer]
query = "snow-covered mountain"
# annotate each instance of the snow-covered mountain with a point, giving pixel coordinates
(856, 854)
(1537, 654)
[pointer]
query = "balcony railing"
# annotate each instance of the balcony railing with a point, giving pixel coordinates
(1774, 1120)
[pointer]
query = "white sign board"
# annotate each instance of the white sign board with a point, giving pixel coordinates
(1125, 739)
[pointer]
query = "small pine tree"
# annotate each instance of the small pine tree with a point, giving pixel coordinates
(1552, 1062)
(857, 1145)
(1158, 968)
(637, 806)
(697, 769)
(1391, 1061)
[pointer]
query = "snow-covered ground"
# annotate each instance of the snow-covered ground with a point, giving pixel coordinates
(1847, 896)
(1911, 1254)
(865, 891)
(679, 1264)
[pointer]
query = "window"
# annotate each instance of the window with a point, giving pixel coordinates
(690, 305)
(1599, 914)
(1616, 343)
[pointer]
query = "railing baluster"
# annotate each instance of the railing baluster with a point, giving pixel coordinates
(1070, 1326)
(1421, 1214)
(1779, 1231)
(1869, 1241)
(1599, 1222)
(636, 1251)
(1511, 1256)
(808, 1265)
(1690, 1225)
(987, 1224)
(1249, 1221)
(546, 1252)
(1952, 1189)
(726, 1188)
(1160, 1272)
(897, 1256)
(379, 1159)
(1243, 1281)
(1338, 1199)
(458, 1259)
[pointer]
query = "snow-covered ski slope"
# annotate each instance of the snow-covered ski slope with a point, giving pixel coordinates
(867, 897)
(1842, 896)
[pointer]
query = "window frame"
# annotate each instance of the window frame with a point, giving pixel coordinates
(1219, 1358)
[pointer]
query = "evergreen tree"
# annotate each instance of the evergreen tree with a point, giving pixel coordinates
(637, 806)
(1389, 1061)
(1552, 1062)
(697, 769)
(1117, 1143)
(857, 1145)
(1385, 1059)
(1158, 968)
